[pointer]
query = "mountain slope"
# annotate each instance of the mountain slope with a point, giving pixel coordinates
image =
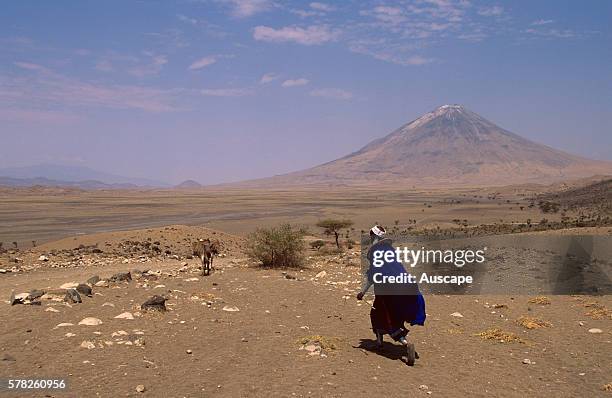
(449, 146)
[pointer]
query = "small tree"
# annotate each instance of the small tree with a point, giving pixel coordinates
(333, 226)
(317, 244)
(281, 246)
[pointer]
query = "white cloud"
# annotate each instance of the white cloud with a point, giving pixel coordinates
(333, 93)
(247, 8)
(203, 62)
(187, 19)
(43, 89)
(540, 22)
(30, 66)
(312, 35)
(226, 92)
(268, 77)
(295, 82)
(491, 11)
(321, 7)
(551, 33)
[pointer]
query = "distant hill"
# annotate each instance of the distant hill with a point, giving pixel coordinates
(450, 146)
(188, 184)
(45, 182)
(75, 174)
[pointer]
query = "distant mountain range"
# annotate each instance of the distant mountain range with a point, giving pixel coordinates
(71, 176)
(449, 146)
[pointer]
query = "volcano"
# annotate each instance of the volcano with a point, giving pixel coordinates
(448, 146)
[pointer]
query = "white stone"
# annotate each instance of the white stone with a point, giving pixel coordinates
(456, 315)
(90, 321)
(321, 274)
(595, 331)
(230, 309)
(125, 315)
(88, 344)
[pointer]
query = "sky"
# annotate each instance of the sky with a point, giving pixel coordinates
(228, 90)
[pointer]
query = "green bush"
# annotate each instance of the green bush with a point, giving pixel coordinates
(281, 246)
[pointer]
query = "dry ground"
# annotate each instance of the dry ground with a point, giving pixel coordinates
(256, 351)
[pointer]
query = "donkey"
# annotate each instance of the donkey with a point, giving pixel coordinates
(206, 250)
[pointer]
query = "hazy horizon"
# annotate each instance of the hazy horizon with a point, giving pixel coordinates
(220, 91)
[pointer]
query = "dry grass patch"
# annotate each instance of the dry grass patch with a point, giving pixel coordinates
(501, 336)
(607, 387)
(540, 300)
(326, 343)
(599, 312)
(529, 322)
(454, 331)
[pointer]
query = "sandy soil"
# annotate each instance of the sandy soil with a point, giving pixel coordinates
(199, 349)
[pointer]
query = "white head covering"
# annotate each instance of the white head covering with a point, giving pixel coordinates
(378, 231)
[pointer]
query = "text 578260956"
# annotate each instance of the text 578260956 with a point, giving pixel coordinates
(15, 384)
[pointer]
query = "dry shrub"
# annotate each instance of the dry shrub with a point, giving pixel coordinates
(599, 312)
(529, 322)
(607, 387)
(500, 306)
(501, 336)
(326, 343)
(541, 300)
(281, 246)
(454, 331)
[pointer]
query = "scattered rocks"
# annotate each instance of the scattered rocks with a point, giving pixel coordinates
(90, 321)
(595, 331)
(155, 303)
(72, 296)
(125, 315)
(88, 344)
(43, 258)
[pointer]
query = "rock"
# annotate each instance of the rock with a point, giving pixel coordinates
(230, 308)
(189, 352)
(93, 280)
(36, 294)
(108, 304)
(194, 279)
(69, 285)
(121, 277)
(64, 324)
(51, 309)
(90, 321)
(70, 334)
(72, 296)
(527, 361)
(54, 294)
(19, 298)
(2, 271)
(8, 358)
(423, 387)
(84, 289)
(43, 258)
(156, 303)
(456, 315)
(102, 283)
(141, 388)
(595, 331)
(321, 274)
(125, 315)
(88, 344)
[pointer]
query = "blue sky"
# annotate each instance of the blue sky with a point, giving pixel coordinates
(224, 90)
